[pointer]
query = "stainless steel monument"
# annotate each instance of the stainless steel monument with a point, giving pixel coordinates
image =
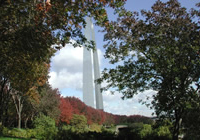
(88, 81)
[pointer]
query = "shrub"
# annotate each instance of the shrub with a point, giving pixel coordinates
(5, 131)
(162, 133)
(65, 133)
(145, 131)
(31, 133)
(79, 124)
(95, 127)
(18, 133)
(136, 131)
(45, 128)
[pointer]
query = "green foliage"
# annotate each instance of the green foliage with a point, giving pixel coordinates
(30, 33)
(45, 127)
(49, 102)
(79, 123)
(133, 131)
(159, 51)
(146, 131)
(191, 119)
(10, 138)
(107, 134)
(18, 133)
(67, 132)
(34, 27)
(140, 131)
(5, 131)
(162, 133)
(95, 127)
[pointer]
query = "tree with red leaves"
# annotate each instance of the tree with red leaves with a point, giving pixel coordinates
(66, 111)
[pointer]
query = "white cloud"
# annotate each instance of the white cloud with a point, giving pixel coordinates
(66, 68)
(114, 104)
(69, 58)
(64, 79)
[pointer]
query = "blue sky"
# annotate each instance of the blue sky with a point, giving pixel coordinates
(66, 69)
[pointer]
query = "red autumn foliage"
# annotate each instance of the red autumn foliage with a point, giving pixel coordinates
(72, 105)
(65, 111)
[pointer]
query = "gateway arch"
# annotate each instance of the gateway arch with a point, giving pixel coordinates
(89, 68)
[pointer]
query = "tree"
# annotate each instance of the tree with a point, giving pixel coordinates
(79, 123)
(24, 87)
(4, 99)
(40, 100)
(28, 29)
(45, 127)
(162, 132)
(191, 118)
(49, 102)
(159, 51)
(66, 111)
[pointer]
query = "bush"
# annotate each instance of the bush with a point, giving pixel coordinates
(18, 133)
(45, 128)
(5, 131)
(79, 124)
(146, 131)
(67, 132)
(162, 133)
(95, 127)
(64, 133)
(31, 133)
(136, 131)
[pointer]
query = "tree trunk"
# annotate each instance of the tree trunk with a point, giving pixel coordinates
(2, 100)
(177, 125)
(18, 107)
(25, 123)
(19, 121)
(19, 112)
(175, 135)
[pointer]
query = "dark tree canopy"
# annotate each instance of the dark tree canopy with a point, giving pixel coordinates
(30, 33)
(28, 29)
(158, 51)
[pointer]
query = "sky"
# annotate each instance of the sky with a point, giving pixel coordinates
(66, 69)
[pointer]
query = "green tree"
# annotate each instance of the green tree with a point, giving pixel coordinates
(25, 87)
(28, 29)
(191, 118)
(5, 99)
(49, 102)
(162, 132)
(45, 127)
(95, 127)
(146, 131)
(43, 100)
(159, 51)
(79, 123)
